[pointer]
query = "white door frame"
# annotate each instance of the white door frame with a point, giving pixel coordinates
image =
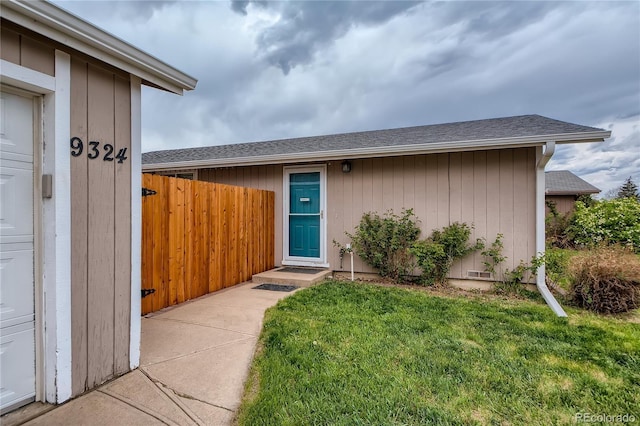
(304, 261)
(53, 268)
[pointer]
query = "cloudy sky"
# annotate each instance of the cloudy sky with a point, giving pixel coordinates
(271, 70)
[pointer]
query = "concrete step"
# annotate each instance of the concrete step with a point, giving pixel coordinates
(281, 276)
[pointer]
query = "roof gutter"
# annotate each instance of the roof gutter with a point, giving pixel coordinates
(543, 158)
(573, 192)
(59, 25)
(381, 151)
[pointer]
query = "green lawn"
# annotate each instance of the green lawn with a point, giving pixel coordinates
(343, 353)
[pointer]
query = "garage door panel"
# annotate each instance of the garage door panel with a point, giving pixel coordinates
(18, 376)
(16, 297)
(16, 125)
(17, 307)
(25, 160)
(16, 211)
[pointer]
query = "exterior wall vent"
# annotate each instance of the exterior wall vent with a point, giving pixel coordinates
(479, 274)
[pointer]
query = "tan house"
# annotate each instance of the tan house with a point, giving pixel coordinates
(563, 188)
(71, 199)
(489, 173)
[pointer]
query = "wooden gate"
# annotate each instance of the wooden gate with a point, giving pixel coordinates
(200, 237)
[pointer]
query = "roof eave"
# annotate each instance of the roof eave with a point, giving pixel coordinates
(64, 27)
(585, 192)
(385, 151)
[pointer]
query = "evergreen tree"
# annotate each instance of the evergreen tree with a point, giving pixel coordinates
(629, 190)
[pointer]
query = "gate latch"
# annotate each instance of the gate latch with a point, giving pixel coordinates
(147, 191)
(147, 291)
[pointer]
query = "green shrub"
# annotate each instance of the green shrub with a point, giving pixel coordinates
(556, 225)
(433, 261)
(383, 242)
(587, 200)
(557, 264)
(512, 279)
(436, 254)
(493, 255)
(609, 221)
(606, 280)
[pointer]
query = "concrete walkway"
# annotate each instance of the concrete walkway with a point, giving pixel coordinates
(195, 360)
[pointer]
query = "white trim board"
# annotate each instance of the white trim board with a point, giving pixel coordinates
(26, 78)
(39, 250)
(136, 223)
(57, 236)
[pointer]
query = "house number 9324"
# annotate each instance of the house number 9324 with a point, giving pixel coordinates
(94, 151)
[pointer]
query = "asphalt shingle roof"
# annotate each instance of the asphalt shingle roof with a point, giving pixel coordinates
(563, 182)
(489, 129)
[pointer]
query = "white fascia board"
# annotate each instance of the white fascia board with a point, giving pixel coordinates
(59, 25)
(384, 151)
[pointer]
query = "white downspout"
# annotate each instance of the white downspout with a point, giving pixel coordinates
(542, 160)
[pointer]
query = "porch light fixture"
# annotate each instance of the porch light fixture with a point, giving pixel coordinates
(346, 166)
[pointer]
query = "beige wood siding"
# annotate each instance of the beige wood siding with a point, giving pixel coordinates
(101, 227)
(564, 203)
(21, 49)
(492, 190)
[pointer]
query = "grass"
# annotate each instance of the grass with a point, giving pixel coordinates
(557, 261)
(360, 354)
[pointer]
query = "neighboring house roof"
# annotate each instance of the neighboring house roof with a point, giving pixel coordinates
(59, 25)
(563, 182)
(507, 132)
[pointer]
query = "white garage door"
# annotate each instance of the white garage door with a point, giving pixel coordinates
(17, 312)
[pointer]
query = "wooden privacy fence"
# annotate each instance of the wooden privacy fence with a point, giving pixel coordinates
(200, 237)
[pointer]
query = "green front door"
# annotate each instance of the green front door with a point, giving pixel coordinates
(304, 214)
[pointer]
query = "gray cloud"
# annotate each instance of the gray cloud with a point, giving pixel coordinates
(304, 27)
(606, 165)
(240, 6)
(365, 65)
(494, 20)
(135, 11)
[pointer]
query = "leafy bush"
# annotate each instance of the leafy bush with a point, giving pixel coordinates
(493, 255)
(437, 253)
(610, 221)
(383, 242)
(512, 279)
(606, 280)
(556, 226)
(433, 261)
(587, 200)
(557, 263)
